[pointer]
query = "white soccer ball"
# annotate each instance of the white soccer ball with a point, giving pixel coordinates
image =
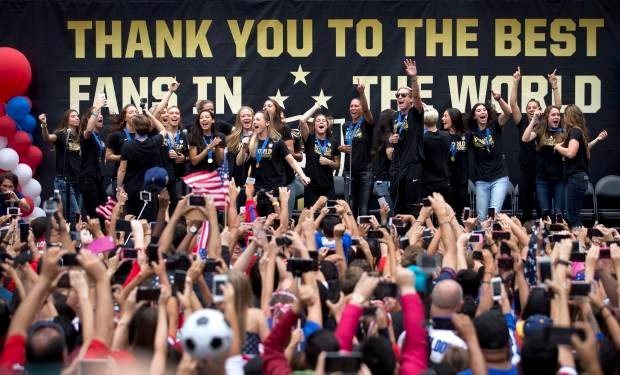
(206, 334)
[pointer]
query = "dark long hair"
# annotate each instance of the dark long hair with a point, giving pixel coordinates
(381, 132)
(64, 122)
(543, 128)
(574, 118)
(195, 132)
(121, 119)
(457, 121)
(492, 115)
(276, 119)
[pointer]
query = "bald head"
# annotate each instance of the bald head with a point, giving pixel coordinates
(447, 295)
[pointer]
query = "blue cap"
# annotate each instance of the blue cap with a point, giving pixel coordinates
(536, 323)
(155, 179)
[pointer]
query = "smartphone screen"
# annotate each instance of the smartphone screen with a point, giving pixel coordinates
(196, 200)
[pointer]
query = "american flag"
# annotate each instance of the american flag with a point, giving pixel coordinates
(211, 184)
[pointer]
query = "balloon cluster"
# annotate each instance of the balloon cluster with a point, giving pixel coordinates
(17, 153)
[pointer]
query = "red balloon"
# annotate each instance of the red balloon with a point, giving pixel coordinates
(30, 202)
(3, 111)
(7, 127)
(32, 157)
(20, 142)
(15, 73)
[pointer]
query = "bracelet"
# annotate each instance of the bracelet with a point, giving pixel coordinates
(486, 282)
(275, 203)
(44, 125)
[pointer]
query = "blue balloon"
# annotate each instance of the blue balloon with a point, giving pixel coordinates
(18, 107)
(27, 123)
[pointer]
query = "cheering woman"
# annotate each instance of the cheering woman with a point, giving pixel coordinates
(206, 146)
(93, 150)
(321, 158)
(452, 120)
(238, 138)
(66, 141)
(491, 171)
(268, 154)
(124, 133)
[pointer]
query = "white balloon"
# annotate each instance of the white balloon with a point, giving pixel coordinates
(37, 212)
(32, 188)
(8, 159)
(23, 172)
(37, 201)
(3, 142)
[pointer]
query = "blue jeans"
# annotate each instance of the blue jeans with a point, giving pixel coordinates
(548, 191)
(296, 188)
(61, 185)
(382, 189)
(576, 187)
(490, 194)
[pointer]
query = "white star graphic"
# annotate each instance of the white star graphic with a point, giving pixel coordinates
(279, 98)
(300, 75)
(322, 99)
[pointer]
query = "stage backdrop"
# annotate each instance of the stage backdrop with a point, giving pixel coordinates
(298, 52)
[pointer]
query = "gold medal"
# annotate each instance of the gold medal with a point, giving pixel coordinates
(452, 158)
(210, 160)
(257, 165)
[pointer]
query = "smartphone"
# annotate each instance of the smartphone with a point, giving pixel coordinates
(398, 222)
(580, 288)
(179, 280)
(314, 254)
(69, 260)
(374, 233)
(475, 238)
(299, 266)
(211, 265)
(64, 281)
(93, 366)
(504, 249)
(497, 226)
(218, 281)
(500, 235)
(50, 206)
(152, 253)
(576, 256)
(496, 288)
(557, 237)
(24, 231)
(382, 202)
(556, 227)
(345, 363)
(476, 255)
(505, 263)
(559, 218)
(575, 247)
(250, 181)
(13, 211)
(403, 242)
(23, 258)
(426, 202)
(196, 200)
(147, 293)
(123, 226)
(128, 253)
(385, 289)
(466, 213)
(604, 253)
(594, 232)
(562, 335)
(544, 269)
(364, 219)
(283, 241)
(355, 241)
(331, 203)
(145, 196)
(491, 212)
(143, 102)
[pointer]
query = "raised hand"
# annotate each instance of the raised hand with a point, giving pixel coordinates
(360, 87)
(553, 80)
(517, 74)
(174, 85)
(43, 118)
(496, 95)
(410, 68)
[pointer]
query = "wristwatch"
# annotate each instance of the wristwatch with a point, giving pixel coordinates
(357, 298)
(193, 229)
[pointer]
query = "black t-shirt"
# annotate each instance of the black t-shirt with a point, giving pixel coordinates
(239, 173)
(459, 151)
(140, 156)
(200, 145)
(288, 136)
(320, 175)
(527, 150)
(580, 162)
(410, 148)
(549, 165)
(490, 162)
(361, 137)
(92, 156)
(381, 164)
(116, 140)
(68, 163)
(223, 127)
(179, 143)
(436, 158)
(271, 173)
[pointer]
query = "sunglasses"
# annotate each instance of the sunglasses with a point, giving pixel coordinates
(402, 94)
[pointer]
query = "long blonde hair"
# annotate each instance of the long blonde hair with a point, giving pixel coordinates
(273, 133)
(574, 118)
(543, 129)
(243, 299)
(233, 142)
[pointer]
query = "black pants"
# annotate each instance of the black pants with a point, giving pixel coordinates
(361, 188)
(576, 188)
(459, 198)
(92, 195)
(312, 193)
(442, 189)
(406, 190)
(136, 207)
(527, 188)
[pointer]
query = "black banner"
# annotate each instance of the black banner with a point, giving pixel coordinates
(298, 52)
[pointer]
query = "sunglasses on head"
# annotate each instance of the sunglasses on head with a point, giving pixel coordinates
(402, 94)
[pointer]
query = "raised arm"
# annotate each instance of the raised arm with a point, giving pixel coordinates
(516, 111)
(529, 134)
(156, 123)
(503, 118)
(600, 137)
(553, 81)
(104, 312)
(364, 102)
(303, 120)
(172, 88)
(44, 132)
(412, 73)
(92, 120)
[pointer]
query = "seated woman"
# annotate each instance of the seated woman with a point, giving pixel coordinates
(9, 196)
